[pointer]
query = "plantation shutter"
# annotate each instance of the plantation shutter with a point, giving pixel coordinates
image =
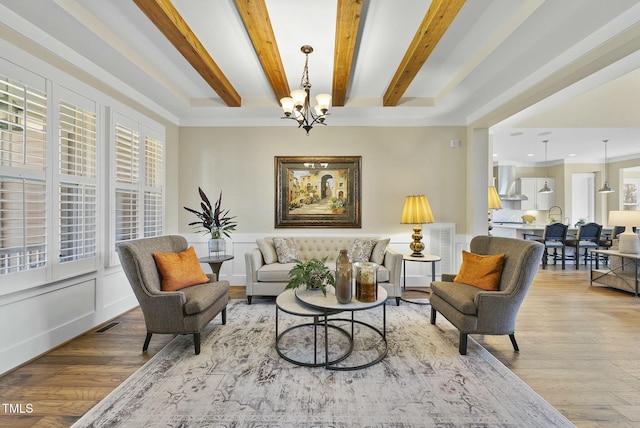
(23, 153)
(127, 165)
(77, 193)
(154, 181)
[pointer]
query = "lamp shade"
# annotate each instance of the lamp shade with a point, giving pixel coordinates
(287, 105)
(416, 210)
(494, 199)
(628, 240)
(324, 101)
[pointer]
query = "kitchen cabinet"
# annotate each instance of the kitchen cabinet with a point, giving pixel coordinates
(536, 201)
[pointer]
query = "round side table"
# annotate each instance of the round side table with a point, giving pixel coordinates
(215, 263)
(427, 258)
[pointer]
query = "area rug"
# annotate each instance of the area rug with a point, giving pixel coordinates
(239, 380)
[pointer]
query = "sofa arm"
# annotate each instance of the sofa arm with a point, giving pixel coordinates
(162, 310)
(500, 309)
(393, 262)
(253, 261)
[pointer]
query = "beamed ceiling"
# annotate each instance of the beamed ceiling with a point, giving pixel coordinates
(522, 67)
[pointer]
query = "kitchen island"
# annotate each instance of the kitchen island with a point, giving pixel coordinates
(531, 231)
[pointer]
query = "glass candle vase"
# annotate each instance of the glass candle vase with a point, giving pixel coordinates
(366, 274)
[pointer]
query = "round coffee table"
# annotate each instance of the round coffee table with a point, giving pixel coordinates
(287, 302)
(329, 305)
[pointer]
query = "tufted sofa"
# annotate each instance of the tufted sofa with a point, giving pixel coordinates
(266, 276)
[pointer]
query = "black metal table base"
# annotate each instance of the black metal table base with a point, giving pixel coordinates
(381, 354)
(328, 324)
(315, 326)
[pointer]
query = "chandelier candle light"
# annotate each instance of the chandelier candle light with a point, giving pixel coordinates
(297, 105)
(416, 211)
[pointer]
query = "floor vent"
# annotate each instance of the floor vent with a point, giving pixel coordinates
(107, 327)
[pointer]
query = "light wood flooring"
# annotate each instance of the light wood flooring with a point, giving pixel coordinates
(579, 349)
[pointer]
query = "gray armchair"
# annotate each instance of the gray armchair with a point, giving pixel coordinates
(185, 311)
(474, 310)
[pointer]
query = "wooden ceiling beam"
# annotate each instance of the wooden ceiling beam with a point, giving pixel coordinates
(165, 16)
(256, 20)
(437, 20)
(347, 24)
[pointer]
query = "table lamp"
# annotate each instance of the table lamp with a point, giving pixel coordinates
(628, 240)
(416, 211)
(494, 203)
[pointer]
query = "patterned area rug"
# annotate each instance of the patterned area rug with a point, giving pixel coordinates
(239, 380)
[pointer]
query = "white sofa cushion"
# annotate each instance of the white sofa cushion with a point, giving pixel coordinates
(268, 250)
(377, 255)
(279, 272)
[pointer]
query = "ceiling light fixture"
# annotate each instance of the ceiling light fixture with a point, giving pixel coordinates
(546, 188)
(605, 188)
(297, 106)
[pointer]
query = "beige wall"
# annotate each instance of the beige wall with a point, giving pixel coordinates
(396, 162)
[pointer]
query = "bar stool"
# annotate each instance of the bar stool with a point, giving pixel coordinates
(588, 237)
(554, 237)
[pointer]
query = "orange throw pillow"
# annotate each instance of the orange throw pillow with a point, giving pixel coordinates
(481, 271)
(179, 270)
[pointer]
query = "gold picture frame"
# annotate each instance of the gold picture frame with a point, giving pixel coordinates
(320, 192)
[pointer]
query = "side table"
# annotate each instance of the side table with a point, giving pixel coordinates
(427, 258)
(215, 263)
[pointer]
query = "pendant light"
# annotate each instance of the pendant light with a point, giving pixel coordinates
(546, 188)
(605, 188)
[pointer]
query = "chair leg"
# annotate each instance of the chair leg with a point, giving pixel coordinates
(462, 348)
(196, 342)
(224, 316)
(563, 257)
(512, 336)
(397, 301)
(146, 342)
(248, 300)
(433, 316)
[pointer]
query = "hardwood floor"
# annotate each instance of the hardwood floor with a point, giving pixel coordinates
(579, 349)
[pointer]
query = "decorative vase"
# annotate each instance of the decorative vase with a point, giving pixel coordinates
(217, 247)
(343, 277)
(366, 281)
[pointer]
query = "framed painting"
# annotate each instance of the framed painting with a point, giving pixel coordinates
(318, 191)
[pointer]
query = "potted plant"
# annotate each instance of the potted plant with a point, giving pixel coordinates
(338, 205)
(313, 274)
(213, 220)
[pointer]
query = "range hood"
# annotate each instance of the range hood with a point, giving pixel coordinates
(508, 186)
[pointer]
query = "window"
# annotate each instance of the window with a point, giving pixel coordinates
(154, 181)
(54, 209)
(78, 182)
(127, 164)
(139, 180)
(23, 150)
(630, 194)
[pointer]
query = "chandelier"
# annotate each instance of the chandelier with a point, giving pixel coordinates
(297, 106)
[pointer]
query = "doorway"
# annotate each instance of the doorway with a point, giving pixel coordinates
(583, 205)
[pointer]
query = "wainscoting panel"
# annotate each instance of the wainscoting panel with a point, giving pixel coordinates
(39, 322)
(439, 239)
